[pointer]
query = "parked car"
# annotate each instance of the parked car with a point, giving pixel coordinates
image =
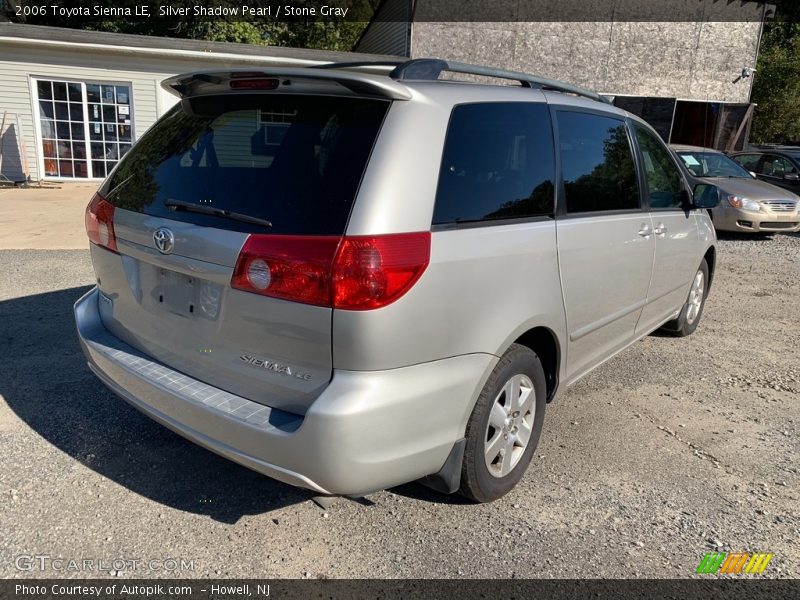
(748, 205)
(779, 165)
(397, 289)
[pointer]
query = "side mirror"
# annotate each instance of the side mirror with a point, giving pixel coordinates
(791, 177)
(753, 174)
(706, 196)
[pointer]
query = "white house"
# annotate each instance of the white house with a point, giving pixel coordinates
(73, 101)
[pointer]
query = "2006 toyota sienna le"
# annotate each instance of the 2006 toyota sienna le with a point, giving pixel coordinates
(349, 279)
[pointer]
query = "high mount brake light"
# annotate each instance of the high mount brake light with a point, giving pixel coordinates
(100, 223)
(254, 84)
(350, 273)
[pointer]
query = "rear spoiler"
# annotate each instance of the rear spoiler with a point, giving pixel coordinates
(285, 80)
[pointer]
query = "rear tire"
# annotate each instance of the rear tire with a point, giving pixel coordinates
(692, 310)
(505, 426)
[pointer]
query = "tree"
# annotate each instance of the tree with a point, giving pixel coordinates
(776, 89)
(298, 32)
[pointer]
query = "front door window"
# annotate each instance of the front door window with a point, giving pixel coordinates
(664, 182)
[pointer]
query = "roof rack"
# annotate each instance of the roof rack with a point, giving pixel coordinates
(356, 64)
(431, 69)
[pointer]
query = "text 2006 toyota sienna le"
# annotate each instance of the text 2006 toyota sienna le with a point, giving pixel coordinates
(348, 281)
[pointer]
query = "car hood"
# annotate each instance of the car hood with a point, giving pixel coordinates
(752, 189)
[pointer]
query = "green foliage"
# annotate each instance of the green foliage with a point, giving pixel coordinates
(323, 35)
(297, 32)
(776, 88)
(777, 93)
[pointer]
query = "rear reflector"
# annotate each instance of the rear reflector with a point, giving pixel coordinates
(350, 273)
(100, 223)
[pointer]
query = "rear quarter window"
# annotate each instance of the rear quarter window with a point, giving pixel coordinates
(295, 161)
(497, 164)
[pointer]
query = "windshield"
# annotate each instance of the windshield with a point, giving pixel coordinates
(291, 164)
(712, 164)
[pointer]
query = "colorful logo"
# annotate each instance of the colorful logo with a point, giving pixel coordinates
(734, 562)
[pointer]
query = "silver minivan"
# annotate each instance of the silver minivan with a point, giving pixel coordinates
(349, 279)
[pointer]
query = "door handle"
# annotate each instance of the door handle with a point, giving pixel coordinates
(660, 230)
(645, 231)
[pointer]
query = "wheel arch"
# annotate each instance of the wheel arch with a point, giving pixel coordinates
(711, 260)
(544, 342)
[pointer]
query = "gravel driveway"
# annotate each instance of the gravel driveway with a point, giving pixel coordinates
(674, 448)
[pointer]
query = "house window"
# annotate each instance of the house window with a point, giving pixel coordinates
(85, 127)
(274, 124)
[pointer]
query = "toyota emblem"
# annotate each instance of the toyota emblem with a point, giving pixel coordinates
(164, 240)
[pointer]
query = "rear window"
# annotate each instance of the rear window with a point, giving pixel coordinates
(294, 161)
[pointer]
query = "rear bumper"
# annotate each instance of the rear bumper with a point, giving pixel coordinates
(367, 431)
(745, 221)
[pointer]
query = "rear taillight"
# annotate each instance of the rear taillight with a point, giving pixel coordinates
(286, 266)
(100, 223)
(352, 273)
(371, 272)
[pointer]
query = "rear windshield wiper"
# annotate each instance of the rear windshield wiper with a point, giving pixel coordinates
(217, 212)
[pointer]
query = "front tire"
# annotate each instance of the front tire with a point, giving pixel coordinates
(692, 310)
(505, 426)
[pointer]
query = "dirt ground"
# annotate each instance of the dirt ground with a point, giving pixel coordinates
(44, 218)
(674, 448)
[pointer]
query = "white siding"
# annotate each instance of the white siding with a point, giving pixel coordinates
(20, 62)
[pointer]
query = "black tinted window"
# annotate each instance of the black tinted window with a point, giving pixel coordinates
(748, 161)
(664, 181)
(777, 166)
(497, 164)
(597, 163)
(295, 161)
